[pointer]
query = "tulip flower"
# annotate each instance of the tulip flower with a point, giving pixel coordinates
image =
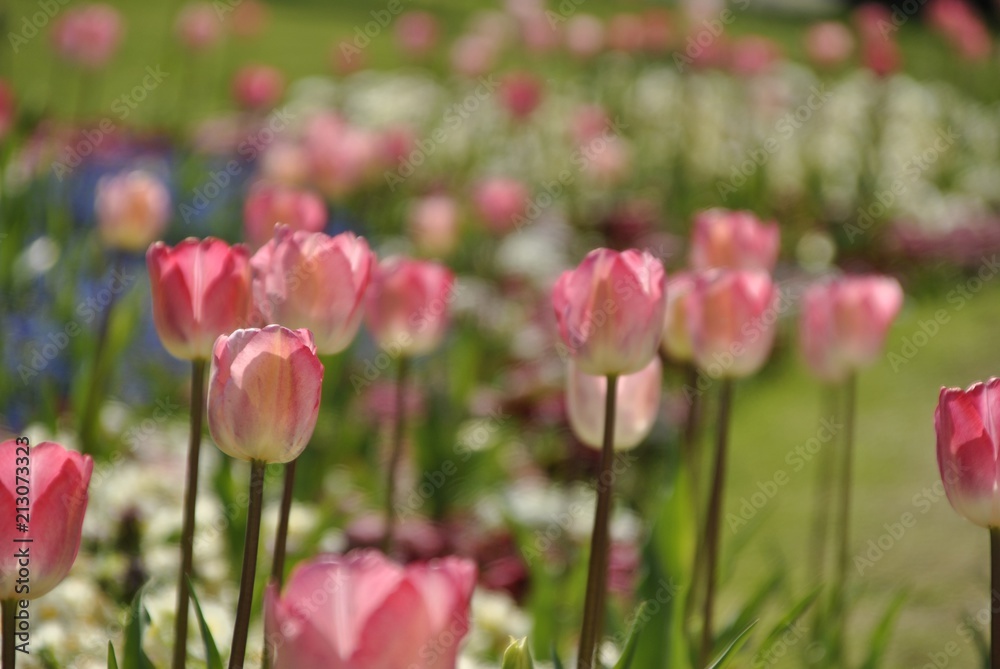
(584, 35)
(844, 323)
(500, 201)
(829, 43)
(87, 35)
(257, 87)
(372, 612)
(8, 108)
(269, 205)
(520, 94)
(637, 405)
(416, 33)
(133, 209)
(249, 18)
(967, 423)
(626, 33)
(676, 340)
(198, 26)
(433, 223)
(610, 311)
(407, 305)
(733, 240)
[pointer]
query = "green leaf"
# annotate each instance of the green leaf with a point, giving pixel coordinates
(517, 655)
(134, 656)
(732, 648)
(787, 621)
(639, 621)
(556, 662)
(212, 657)
(880, 636)
(112, 660)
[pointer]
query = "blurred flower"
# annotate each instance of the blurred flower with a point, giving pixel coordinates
(879, 52)
(960, 24)
(432, 222)
(269, 205)
(133, 209)
(200, 290)
(590, 121)
(499, 201)
(8, 108)
(844, 323)
(636, 408)
(284, 162)
(416, 33)
(733, 240)
(198, 26)
(376, 613)
(626, 33)
(54, 515)
(258, 87)
(610, 310)
(657, 30)
(608, 160)
(408, 305)
(345, 58)
(313, 281)
(753, 55)
(87, 35)
(520, 94)
(249, 18)
(676, 326)
(538, 34)
(473, 55)
(341, 156)
(263, 393)
(733, 320)
(584, 35)
(968, 440)
(829, 43)
(396, 142)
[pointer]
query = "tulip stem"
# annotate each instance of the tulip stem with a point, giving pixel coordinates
(190, 499)
(396, 456)
(92, 402)
(597, 573)
(245, 602)
(9, 611)
(994, 597)
(824, 465)
(712, 524)
(691, 460)
(844, 555)
(278, 563)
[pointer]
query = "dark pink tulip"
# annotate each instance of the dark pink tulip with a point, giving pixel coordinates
(636, 408)
(313, 281)
(610, 310)
(133, 210)
(258, 87)
(363, 611)
(520, 94)
(263, 393)
(967, 423)
(844, 323)
(433, 224)
(879, 51)
(200, 290)
(8, 108)
(408, 304)
(733, 240)
(198, 26)
(87, 35)
(269, 205)
(960, 24)
(499, 201)
(733, 321)
(416, 33)
(676, 326)
(56, 500)
(829, 43)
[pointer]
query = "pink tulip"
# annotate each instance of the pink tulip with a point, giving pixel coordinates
(968, 441)
(626, 33)
(473, 55)
(396, 142)
(538, 34)
(198, 26)
(829, 43)
(584, 35)
(56, 503)
(341, 156)
(733, 319)
(133, 209)
(753, 55)
(416, 33)
(433, 224)
(610, 311)
(269, 205)
(363, 611)
(499, 201)
(733, 240)
(636, 407)
(200, 290)
(87, 35)
(676, 326)
(408, 305)
(879, 51)
(844, 323)
(8, 108)
(258, 87)
(520, 94)
(609, 160)
(313, 281)
(263, 393)
(960, 24)
(658, 31)
(284, 161)
(590, 121)
(249, 18)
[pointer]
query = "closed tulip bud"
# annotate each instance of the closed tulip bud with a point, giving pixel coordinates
(133, 210)
(844, 323)
(269, 205)
(88, 35)
(499, 202)
(967, 423)
(258, 87)
(676, 326)
(520, 94)
(636, 407)
(200, 290)
(263, 393)
(313, 281)
(733, 240)
(372, 612)
(56, 503)
(198, 26)
(610, 311)
(408, 305)
(733, 321)
(517, 655)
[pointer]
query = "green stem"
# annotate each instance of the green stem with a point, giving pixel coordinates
(597, 573)
(9, 612)
(846, 477)
(92, 403)
(242, 628)
(824, 479)
(692, 461)
(190, 499)
(712, 520)
(994, 596)
(397, 455)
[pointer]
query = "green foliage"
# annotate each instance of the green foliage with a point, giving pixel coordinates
(212, 657)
